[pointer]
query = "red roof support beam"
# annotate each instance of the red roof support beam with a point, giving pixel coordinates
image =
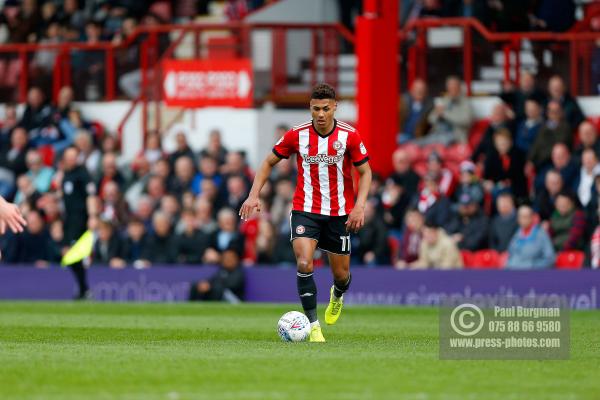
(377, 91)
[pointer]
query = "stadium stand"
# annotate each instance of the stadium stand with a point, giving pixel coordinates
(189, 196)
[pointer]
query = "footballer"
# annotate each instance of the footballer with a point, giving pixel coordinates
(324, 211)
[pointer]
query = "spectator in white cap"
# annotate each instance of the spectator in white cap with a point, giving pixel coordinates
(469, 183)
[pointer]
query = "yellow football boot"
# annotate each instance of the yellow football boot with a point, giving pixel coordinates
(316, 335)
(334, 309)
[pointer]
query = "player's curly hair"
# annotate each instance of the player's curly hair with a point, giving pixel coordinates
(323, 91)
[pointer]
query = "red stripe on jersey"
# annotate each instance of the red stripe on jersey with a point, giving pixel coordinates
(298, 202)
(348, 184)
(333, 181)
(314, 175)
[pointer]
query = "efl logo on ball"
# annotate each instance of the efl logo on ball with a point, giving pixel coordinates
(300, 229)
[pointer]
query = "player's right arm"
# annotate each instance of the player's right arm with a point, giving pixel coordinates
(253, 201)
(284, 148)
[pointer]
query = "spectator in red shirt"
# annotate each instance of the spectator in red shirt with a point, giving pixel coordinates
(444, 177)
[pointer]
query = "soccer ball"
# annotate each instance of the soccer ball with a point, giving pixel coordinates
(293, 326)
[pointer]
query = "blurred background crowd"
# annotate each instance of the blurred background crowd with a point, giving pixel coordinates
(519, 188)
(500, 15)
(524, 181)
(52, 22)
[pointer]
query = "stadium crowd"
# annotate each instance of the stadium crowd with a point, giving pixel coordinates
(524, 182)
(502, 15)
(65, 172)
(93, 22)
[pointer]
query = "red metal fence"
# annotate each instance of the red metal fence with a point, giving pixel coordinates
(579, 46)
(158, 43)
(325, 42)
(154, 44)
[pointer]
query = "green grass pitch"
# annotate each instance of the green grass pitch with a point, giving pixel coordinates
(207, 351)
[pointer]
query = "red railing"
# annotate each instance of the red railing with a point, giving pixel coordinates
(415, 33)
(324, 42)
(325, 39)
(239, 30)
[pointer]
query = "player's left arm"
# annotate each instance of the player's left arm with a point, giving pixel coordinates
(356, 219)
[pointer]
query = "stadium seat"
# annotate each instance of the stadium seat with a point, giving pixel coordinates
(503, 258)
(483, 259)
(454, 167)
(466, 257)
(570, 259)
(3, 68)
(420, 167)
(98, 130)
(488, 202)
(250, 231)
(596, 121)
(457, 153)
(394, 245)
(412, 150)
(47, 154)
(430, 148)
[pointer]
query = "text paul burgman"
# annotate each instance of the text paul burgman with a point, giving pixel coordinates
(527, 312)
